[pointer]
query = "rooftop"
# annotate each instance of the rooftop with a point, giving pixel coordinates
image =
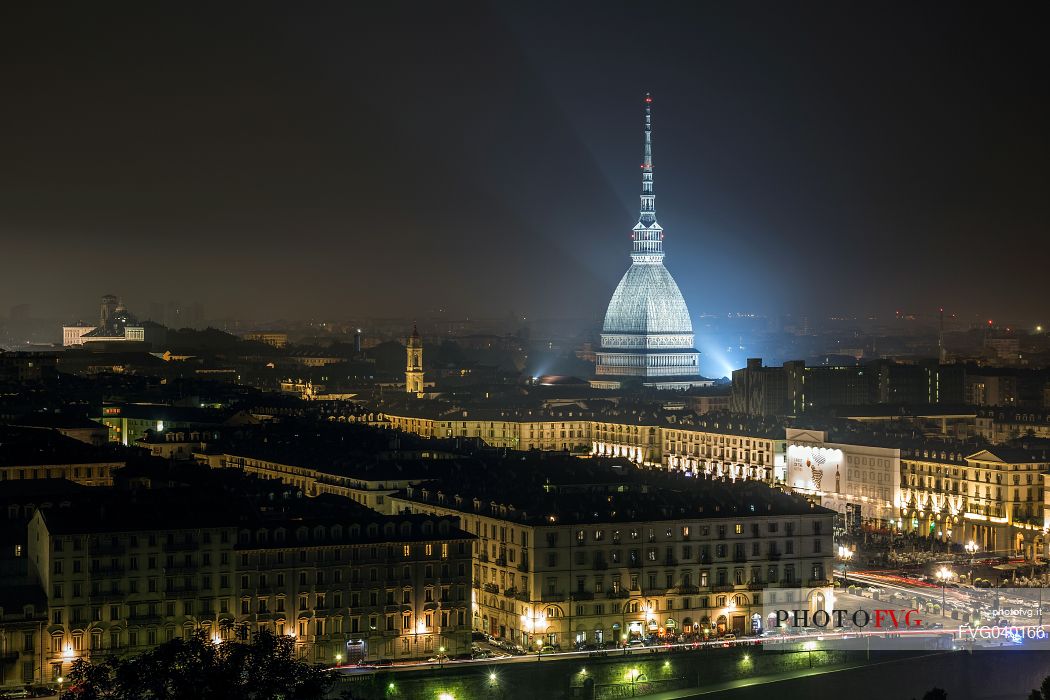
(538, 489)
(42, 446)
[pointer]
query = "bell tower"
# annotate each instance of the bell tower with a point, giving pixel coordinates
(414, 364)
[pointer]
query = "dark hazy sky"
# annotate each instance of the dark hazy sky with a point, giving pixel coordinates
(310, 159)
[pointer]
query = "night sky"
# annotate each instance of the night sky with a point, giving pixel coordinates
(335, 160)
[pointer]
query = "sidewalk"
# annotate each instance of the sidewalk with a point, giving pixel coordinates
(771, 678)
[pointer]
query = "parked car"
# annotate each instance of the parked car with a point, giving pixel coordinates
(547, 649)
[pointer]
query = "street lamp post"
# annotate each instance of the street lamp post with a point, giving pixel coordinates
(944, 575)
(808, 648)
(845, 554)
(971, 549)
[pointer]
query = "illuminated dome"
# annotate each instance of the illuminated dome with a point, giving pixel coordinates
(647, 334)
(647, 301)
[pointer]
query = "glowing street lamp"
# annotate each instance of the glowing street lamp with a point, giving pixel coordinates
(971, 549)
(944, 575)
(632, 676)
(844, 555)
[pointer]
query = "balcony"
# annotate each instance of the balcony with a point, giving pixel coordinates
(112, 596)
(145, 618)
(501, 561)
(722, 588)
(790, 583)
(671, 561)
(755, 586)
(583, 595)
(107, 570)
(524, 566)
(773, 556)
(182, 547)
(815, 582)
(601, 565)
(182, 569)
(552, 597)
(618, 594)
(484, 557)
(739, 558)
(687, 590)
(188, 588)
(490, 588)
(523, 596)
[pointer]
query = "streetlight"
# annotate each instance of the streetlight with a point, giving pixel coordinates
(338, 659)
(944, 574)
(808, 647)
(971, 549)
(845, 554)
(632, 675)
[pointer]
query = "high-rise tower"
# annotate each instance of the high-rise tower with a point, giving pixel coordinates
(414, 364)
(647, 333)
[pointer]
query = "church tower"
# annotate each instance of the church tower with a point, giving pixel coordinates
(414, 365)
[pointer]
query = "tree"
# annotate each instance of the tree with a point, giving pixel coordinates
(265, 669)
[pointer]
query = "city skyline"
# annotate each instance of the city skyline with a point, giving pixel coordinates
(248, 158)
(344, 351)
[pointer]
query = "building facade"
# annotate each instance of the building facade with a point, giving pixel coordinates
(361, 588)
(842, 476)
(993, 496)
(713, 443)
(547, 579)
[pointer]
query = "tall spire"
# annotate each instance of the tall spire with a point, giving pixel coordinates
(647, 235)
(648, 208)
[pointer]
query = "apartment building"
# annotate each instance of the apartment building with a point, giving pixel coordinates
(992, 495)
(716, 443)
(231, 557)
(593, 552)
